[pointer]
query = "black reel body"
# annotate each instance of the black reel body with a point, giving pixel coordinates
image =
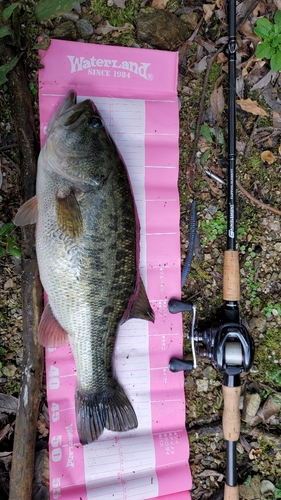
(229, 346)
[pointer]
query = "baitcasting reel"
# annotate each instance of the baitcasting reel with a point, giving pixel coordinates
(229, 346)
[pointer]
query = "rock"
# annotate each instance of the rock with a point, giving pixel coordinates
(277, 247)
(250, 491)
(84, 28)
(209, 371)
(251, 405)
(9, 284)
(258, 323)
(266, 487)
(189, 382)
(65, 31)
(71, 16)
(9, 370)
(202, 385)
(161, 29)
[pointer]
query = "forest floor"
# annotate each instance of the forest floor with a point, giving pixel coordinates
(199, 33)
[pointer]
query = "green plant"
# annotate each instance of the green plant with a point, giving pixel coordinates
(8, 242)
(21, 14)
(252, 285)
(272, 309)
(214, 137)
(213, 228)
(270, 48)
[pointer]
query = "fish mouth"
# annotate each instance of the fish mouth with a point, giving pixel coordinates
(71, 113)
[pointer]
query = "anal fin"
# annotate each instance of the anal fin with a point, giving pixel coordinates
(50, 333)
(141, 308)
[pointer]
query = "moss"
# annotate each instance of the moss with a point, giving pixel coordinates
(268, 351)
(115, 15)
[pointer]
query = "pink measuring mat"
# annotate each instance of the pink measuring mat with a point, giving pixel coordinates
(135, 92)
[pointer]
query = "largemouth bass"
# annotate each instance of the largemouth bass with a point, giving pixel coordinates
(87, 244)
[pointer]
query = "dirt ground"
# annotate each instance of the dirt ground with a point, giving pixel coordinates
(199, 33)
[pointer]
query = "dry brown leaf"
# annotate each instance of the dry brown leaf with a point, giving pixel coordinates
(276, 121)
(42, 426)
(255, 454)
(222, 58)
(251, 107)
(217, 102)
(159, 4)
(208, 9)
(247, 29)
(220, 4)
(271, 407)
(268, 157)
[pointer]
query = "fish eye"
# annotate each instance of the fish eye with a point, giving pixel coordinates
(96, 122)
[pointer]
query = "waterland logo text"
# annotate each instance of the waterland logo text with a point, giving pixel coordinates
(102, 67)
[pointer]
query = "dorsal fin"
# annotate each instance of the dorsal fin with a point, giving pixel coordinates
(141, 307)
(27, 213)
(69, 214)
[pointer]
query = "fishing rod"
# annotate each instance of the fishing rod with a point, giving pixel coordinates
(228, 344)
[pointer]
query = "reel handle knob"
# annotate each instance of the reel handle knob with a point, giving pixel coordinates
(178, 365)
(176, 306)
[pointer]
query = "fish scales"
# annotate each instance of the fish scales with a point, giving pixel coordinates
(87, 243)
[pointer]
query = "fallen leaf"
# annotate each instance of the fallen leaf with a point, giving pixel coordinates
(40, 489)
(6, 458)
(201, 66)
(120, 3)
(222, 58)
(217, 102)
(42, 427)
(247, 29)
(7, 429)
(271, 407)
(8, 404)
(220, 4)
(278, 4)
(268, 157)
(159, 4)
(255, 454)
(209, 472)
(264, 81)
(276, 122)
(251, 107)
(208, 9)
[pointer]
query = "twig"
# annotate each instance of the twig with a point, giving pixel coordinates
(201, 110)
(250, 141)
(257, 202)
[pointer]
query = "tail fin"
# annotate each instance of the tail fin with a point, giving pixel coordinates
(110, 409)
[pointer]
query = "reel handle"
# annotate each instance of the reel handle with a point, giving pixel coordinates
(231, 492)
(231, 276)
(231, 414)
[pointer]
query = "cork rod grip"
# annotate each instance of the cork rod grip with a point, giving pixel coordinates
(231, 492)
(231, 413)
(231, 276)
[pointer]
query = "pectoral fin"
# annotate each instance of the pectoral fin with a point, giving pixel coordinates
(141, 307)
(27, 213)
(69, 214)
(50, 333)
